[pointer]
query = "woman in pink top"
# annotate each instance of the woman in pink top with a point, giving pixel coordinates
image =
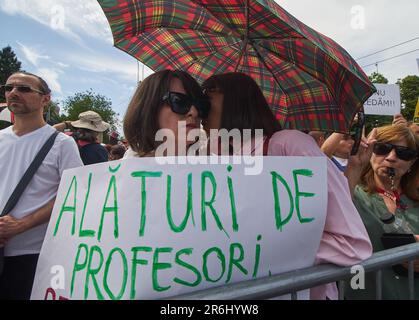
(237, 102)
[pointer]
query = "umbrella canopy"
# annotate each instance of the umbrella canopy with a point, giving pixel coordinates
(310, 82)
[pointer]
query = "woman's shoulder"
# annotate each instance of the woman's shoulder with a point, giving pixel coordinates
(293, 143)
(360, 193)
(286, 134)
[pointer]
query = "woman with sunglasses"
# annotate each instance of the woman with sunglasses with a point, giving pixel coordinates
(165, 100)
(388, 184)
(238, 103)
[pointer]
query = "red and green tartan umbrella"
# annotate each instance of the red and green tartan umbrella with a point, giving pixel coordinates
(310, 82)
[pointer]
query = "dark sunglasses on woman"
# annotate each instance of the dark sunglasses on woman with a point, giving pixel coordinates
(22, 88)
(181, 103)
(403, 153)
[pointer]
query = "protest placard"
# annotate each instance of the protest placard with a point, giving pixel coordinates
(136, 229)
(386, 101)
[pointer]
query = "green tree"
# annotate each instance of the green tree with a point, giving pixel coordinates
(373, 121)
(376, 77)
(409, 91)
(9, 64)
(52, 113)
(88, 100)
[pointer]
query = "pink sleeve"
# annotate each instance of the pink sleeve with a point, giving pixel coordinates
(345, 240)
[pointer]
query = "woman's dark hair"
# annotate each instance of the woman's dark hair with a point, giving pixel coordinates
(141, 121)
(244, 105)
(117, 151)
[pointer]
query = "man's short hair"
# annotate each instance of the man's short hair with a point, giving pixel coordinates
(44, 85)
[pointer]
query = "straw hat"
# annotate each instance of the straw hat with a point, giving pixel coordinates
(92, 121)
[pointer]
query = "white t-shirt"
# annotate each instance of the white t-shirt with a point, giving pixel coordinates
(16, 154)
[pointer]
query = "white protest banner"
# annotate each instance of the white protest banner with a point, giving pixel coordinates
(385, 102)
(136, 229)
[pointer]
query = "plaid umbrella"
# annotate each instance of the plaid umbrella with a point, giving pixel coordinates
(310, 82)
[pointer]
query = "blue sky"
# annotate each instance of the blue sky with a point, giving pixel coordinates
(69, 43)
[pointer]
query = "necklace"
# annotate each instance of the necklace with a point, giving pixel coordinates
(393, 196)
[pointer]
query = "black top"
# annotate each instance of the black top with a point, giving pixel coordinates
(93, 153)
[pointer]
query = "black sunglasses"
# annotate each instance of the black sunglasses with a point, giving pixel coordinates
(403, 153)
(181, 103)
(22, 88)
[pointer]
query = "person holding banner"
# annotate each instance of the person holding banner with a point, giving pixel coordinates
(164, 100)
(389, 183)
(238, 103)
(22, 230)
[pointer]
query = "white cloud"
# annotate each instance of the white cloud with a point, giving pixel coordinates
(62, 65)
(31, 54)
(126, 69)
(51, 77)
(72, 18)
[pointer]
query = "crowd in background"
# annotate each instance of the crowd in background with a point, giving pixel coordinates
(381, 177)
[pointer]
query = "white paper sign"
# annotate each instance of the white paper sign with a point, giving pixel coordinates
(385, 102)
(134, 229)
(5, 114)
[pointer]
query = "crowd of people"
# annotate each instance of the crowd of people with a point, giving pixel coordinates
(382, 177)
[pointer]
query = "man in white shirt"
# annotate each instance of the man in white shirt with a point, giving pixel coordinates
(23, 229)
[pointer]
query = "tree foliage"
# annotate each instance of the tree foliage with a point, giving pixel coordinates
(88, 100)
(9, 64)
(52, 113)
(376, 77)
(409, 91)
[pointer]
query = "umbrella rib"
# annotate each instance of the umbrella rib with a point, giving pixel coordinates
(198, 3)
(213, 53)
(277, 39)
(296, 66)
(242, 51)
(267, 68)
(138, 35)
(246, 39)
(246, 12)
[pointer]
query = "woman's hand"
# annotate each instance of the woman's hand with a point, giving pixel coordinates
(398, 119)
(358, 162)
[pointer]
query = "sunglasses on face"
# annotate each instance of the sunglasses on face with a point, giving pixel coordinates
(181, 104)
(22, 88)
(403, 153)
